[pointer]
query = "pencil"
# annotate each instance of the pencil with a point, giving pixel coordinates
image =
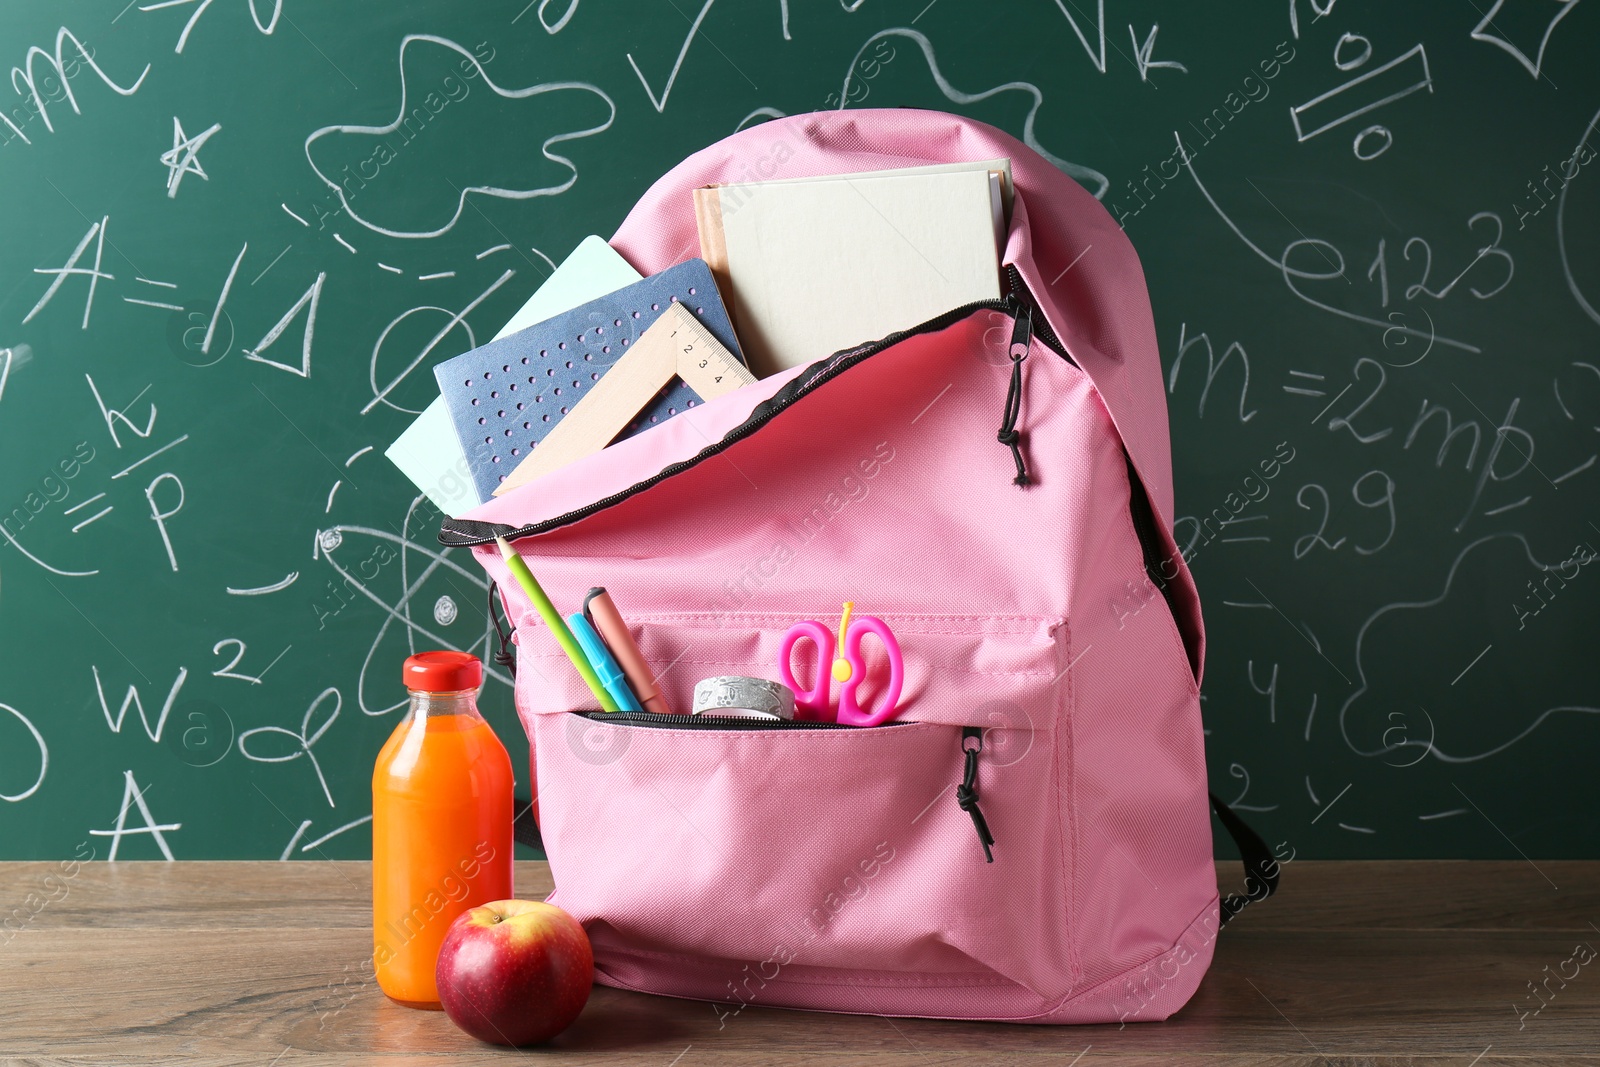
(558, 626)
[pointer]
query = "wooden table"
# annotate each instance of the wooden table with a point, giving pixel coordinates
(261, 963)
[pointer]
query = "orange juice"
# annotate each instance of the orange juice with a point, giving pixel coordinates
(441, 823)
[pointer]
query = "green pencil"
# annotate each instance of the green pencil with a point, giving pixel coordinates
(558, 626)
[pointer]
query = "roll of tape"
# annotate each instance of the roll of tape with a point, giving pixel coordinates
(740, 697)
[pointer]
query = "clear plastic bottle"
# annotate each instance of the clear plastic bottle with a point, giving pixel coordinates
(441, 823)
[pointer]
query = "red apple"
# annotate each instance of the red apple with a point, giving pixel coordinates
(515, 972)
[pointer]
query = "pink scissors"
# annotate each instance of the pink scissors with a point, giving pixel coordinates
(843, 665)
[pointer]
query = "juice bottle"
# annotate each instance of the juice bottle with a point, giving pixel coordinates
(441, 823)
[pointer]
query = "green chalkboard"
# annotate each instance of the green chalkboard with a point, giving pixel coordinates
(1373, 264)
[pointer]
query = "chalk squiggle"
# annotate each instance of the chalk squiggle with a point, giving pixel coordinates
(1561, 225)
(1433, 749)
(1099, 183)
(487, 190)
(762, 113)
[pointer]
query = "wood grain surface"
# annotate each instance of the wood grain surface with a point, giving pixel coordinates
(1377, 963)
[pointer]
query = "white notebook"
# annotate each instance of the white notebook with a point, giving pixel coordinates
(812, 266)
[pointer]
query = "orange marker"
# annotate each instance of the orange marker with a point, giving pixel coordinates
(603, 613)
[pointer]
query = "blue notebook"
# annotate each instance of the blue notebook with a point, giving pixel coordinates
(505, 396)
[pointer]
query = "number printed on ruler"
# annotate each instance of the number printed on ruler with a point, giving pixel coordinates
(706, 366)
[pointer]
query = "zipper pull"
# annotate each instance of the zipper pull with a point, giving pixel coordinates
(1021, 335)
(967, 791)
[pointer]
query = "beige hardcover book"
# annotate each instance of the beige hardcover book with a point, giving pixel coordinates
(808, 267)
(1000, 166)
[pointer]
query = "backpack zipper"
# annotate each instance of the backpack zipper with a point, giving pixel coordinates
(967, 791)
(1017, 302)
(971, 745)
(715, 722)
(1009, 435)
(1017, 289)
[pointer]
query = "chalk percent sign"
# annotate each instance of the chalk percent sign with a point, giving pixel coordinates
(1365, 93)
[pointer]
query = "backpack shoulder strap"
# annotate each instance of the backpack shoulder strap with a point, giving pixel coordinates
(1261, 869)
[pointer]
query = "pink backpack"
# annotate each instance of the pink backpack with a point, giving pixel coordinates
(1032, 843)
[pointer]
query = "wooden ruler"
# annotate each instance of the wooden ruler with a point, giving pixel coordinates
(675, 346)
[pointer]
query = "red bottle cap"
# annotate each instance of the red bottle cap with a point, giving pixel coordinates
(443, 672)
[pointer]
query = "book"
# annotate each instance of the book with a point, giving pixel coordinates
(506, 396)
(676, 348)
(808, 267)
(429, 452)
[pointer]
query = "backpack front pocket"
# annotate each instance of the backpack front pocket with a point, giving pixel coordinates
(762, 854)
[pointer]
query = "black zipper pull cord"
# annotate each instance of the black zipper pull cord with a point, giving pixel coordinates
(505, 657)
(1021, 335)
(967, 791)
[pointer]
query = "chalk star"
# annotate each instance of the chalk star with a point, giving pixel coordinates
(1524, 13)
(189, 162)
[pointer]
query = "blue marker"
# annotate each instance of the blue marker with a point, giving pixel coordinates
(604, 665)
